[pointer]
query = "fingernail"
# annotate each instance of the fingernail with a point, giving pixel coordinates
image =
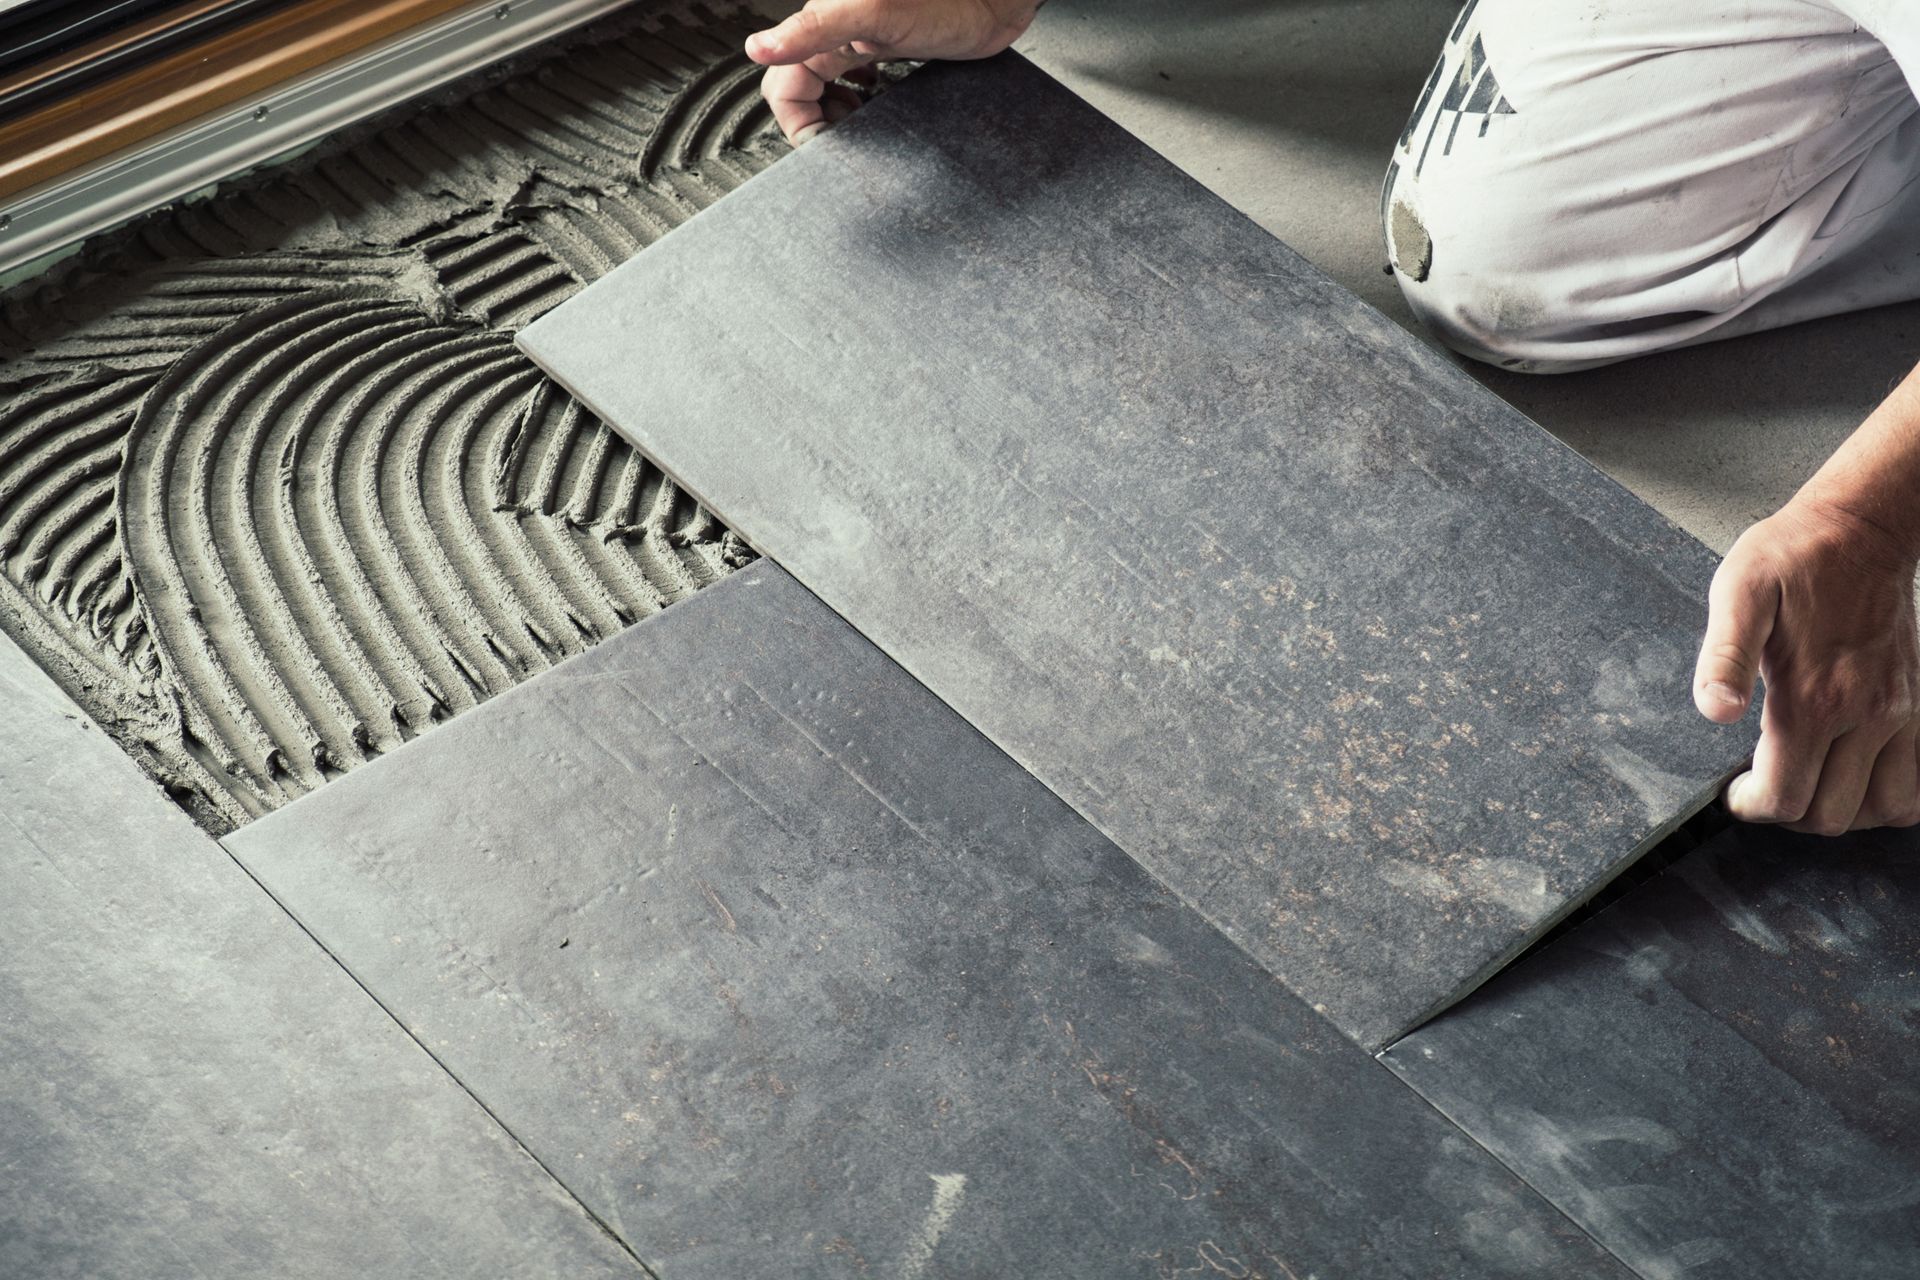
(806, 134)
(1724, 694)
(1737, 793)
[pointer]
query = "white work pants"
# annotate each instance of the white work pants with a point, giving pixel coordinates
(1588, 180)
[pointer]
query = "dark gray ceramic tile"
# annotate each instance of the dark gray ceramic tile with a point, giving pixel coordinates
(1717, 1075)
(789, 971)
(189, 1086)
(1342, 648)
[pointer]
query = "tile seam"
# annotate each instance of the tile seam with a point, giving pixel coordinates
(599, 1222)
(1380, 1058)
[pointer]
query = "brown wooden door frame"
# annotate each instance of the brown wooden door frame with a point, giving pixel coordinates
(195, 81)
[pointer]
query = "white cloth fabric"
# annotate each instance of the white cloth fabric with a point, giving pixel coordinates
(1588, 180)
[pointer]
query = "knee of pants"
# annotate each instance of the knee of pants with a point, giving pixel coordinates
(1490, 280)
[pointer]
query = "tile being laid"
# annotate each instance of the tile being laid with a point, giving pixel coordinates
(189, 1086)
(1715, 1076)
(787, 970)
(1342, 648)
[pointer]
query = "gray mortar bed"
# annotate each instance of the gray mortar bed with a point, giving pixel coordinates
(277, 494)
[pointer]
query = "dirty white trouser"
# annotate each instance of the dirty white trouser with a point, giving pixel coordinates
(1588, 180)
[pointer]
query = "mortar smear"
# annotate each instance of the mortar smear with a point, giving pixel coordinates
(276, 491)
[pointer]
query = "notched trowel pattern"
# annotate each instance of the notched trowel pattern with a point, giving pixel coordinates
(276, 491)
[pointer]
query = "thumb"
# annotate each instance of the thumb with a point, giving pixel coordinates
(1741, 607)
(824, 25)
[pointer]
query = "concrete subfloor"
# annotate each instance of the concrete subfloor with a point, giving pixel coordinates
(1288, 109)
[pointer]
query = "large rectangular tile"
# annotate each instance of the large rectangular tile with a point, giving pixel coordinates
(1343, 649)
(789, 971)
(1715, 1076)
(189, 1086)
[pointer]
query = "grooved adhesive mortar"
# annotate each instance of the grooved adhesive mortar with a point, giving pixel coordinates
(276, 491)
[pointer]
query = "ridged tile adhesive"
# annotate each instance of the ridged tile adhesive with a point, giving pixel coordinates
(276, 491)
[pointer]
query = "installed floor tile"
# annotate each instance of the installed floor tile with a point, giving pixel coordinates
(1340, 647)
(192, 1087)
(784, 968)
(1716, 1075)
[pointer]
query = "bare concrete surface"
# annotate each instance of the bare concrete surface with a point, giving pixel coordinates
(1287, 109)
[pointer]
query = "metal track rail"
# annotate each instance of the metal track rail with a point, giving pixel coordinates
(67, 209)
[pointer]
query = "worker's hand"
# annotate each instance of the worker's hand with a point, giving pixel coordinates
(1819, 604)
(833, 39)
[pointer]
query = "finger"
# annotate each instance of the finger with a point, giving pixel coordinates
(794, 95)
(841, 92)
(837, 64)
(1740, 611)
(795, 92)
(838, 103)
(1843, 783)
(1786, 771)
(822, 26)
(1893, 796)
